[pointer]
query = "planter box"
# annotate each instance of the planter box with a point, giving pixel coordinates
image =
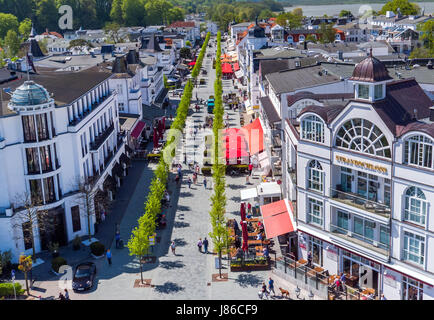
(257, 267)
(97, 257)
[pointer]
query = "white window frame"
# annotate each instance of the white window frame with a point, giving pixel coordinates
(312, 129)
(311, 216)
(420, 246)
(420, 156)
(414, 199)
(315, 176)
(358, 92)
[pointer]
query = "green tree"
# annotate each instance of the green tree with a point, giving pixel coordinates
(138, 244)
(266, 14)
(406, 7)
(185, 53)
(102, 8)
(327, 33)
(7, 22)
(25, 265)
(12, 42)
(345, 13)
(311, 38)
(25, 28)
(47, 15)
(116, 12)
(427, 36)
(158, 11)
(43, 45)
(298, 12)
(112, 31)
(133, 12)
(87, 14)
(175, 14)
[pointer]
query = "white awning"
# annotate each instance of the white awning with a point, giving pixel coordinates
(248, 193)
(239, 74)
(269, 189)
(262, 156)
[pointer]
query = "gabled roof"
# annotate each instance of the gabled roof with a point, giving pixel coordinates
(150, 44)
(182, 24)
(327, 113)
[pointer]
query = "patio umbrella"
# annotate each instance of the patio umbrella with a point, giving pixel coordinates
(243, 211)
(164, 123)
(245, 236)
(155, 137)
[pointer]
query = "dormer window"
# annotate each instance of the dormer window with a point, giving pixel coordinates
(378, 92)
(363, 91)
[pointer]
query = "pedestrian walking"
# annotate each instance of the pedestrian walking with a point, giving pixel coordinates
(66, 294)
(309, 259)
(249, 208)
(199, 244)
(204, 182)
(117, 238)
(250, 168)
(263, 291)
(271, 286)
(195, 178)
(205, 244)
(109, 257)
(173, 246)
(247, 179)
(189, 182)
(103, 216)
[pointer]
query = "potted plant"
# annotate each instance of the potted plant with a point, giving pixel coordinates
(54, 249)
(97, 249)
(76, 243)
(56, 263)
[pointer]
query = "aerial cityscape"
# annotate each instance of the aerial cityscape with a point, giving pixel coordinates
(216, 150)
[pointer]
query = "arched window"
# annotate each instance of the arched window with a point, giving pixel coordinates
(315, 176)
(312, 128)
(416, 206)
(418, 151)
(363, 136)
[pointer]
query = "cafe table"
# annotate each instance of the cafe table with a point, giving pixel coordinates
(254, 242)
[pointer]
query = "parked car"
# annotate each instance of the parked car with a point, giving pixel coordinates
(84, 276)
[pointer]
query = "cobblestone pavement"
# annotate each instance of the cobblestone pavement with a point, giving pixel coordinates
(188, 274)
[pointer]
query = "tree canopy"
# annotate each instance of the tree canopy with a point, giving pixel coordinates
(406, 7)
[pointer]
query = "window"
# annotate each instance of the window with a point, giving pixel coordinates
(75, 215)
(387, 192)
(42, 124)
(315, 210)
(315, 246)
(411, 289)
(378, 92)
(364, 228)
(312, 128)
(315, 176)
(363, 136)
(385, 235)
(36, 191)
(45, 153)
(414, 248)
(342, 221)
(363, 91)
(415, 206)
(50, 195)
(29, 129)
(346, 179)
(418, 151)
(32, 160)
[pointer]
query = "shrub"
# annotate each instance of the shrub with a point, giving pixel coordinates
(7, 289)
(76, 243)
(56, 263)
(97, 249)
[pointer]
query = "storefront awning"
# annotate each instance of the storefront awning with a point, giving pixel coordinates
(226, 68)
(138, 129)
(254, 136)
(239, 74)
(248, 194)
(278, 218)
(236, 67)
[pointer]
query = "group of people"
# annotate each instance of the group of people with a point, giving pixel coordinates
(65, 295)
(264, 291)
(201, 243)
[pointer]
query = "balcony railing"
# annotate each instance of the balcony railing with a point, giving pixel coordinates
(361, 203)
(87, 111)
(360, 240)
(95, 145)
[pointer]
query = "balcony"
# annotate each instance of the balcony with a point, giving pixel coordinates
(357, 201)
(90, 109)
(360, 240)
(99, 140)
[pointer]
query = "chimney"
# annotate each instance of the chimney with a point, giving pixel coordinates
(415, 114)
(431, 113)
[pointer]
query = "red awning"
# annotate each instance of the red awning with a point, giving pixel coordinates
(138, 129)
(277, 218)
(254, 136)
(226, 68)
(192, 63)
(236, 66)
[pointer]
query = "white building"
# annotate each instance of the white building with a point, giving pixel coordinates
(53, 137)
(362, 176)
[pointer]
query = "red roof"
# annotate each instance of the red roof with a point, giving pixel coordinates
(182, 24)
(277, 220)
(236, 66)
(53, 33)
(138, 129)
(226, 68)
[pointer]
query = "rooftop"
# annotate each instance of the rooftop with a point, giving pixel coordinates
(296, 79)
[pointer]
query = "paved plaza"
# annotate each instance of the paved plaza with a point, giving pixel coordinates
(188, 274)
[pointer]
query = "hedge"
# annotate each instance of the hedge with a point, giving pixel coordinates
(199, 59)
(56, 263)
(7, 289)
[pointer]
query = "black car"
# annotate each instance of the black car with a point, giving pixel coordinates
(84, 276)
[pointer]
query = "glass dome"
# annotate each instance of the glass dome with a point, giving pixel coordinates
(30, 94)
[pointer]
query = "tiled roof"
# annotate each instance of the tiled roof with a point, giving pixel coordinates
(268, 107)
(182, 24)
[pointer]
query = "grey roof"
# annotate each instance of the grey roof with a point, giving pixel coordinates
(277, 53)
(29, 94)
(81, 61)
(421, 74)
(331, 47)
(296, 79)
(270, 112)
(341, 70)
(271, 66)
